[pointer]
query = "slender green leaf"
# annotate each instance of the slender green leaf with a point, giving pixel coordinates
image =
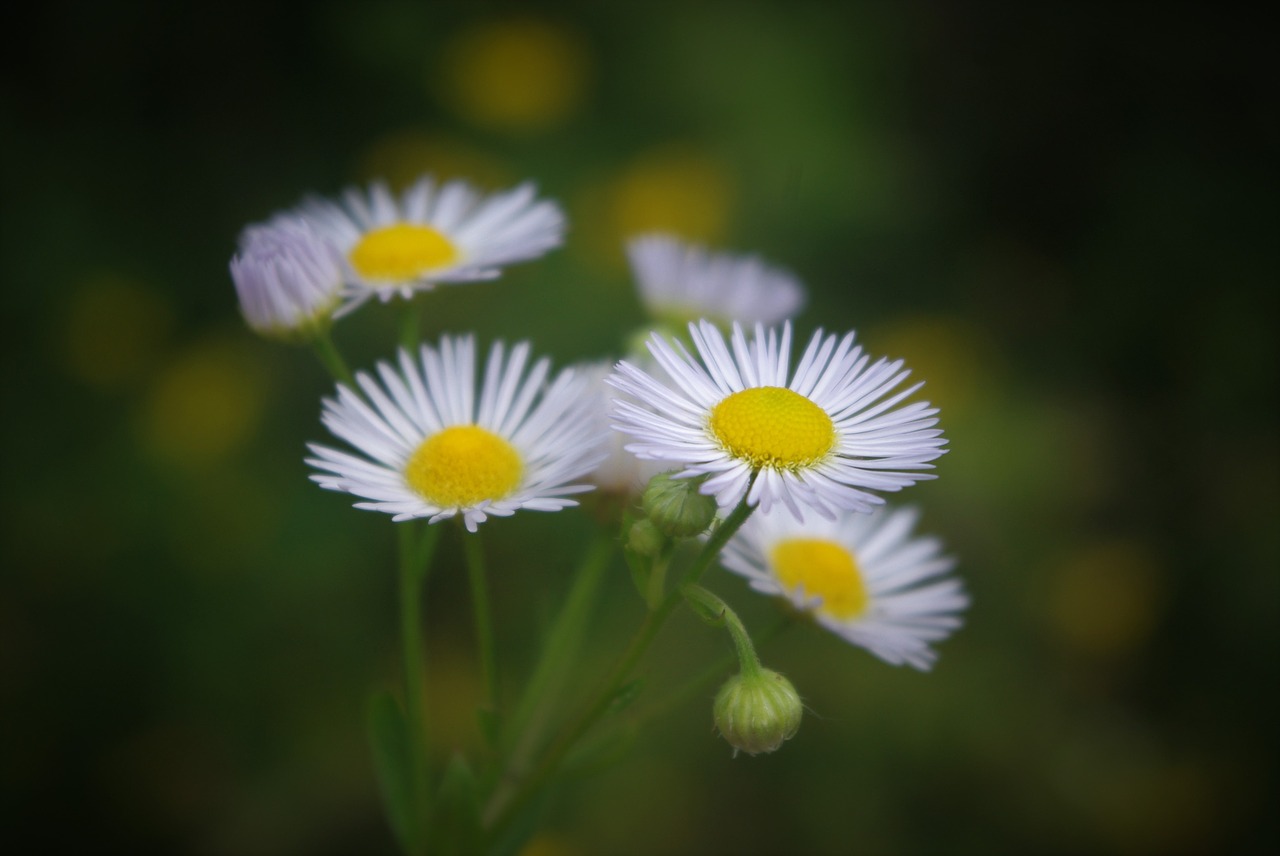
(393, 762)
(456, 824)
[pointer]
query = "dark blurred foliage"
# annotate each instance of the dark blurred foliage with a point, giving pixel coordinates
(1060, 214)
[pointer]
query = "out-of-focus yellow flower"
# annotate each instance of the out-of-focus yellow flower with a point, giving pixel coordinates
(953, 358)
(677, 190)
(519, 74)
(402, 157)
(114, 329)
(205, 405)
(1107, 597)
(546, 844)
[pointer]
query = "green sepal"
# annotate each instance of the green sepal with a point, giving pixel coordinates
(641, 567)
(456, 826)
(388, 730)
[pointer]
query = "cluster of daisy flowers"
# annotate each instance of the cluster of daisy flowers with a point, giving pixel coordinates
(802, 449)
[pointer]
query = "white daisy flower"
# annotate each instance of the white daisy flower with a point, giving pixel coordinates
(432, 450)
(822, 437)
(861, 576)
(432, 234)
(682, 282)
(289, 280)
(619, 471)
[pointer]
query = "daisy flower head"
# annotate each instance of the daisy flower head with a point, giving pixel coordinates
(288, 279)
(429, 447)
(432, 233)
(619, 472)
(683, 282)
(861, 576)
(822, 437)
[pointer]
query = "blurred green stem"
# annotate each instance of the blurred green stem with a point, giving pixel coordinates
(483, 616)
(498, 814)
(525, 728)
(332, 359)
(417, 546)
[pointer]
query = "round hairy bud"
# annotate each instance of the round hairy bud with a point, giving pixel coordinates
(676, 507)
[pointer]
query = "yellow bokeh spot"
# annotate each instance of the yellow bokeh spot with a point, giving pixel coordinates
(402, 157)
(516, 75)
(1107, 598)
(822, 569)
(955, 358)
(673, 190)
(401, 252)
(773, 427)
(204, 405)
(464, 465)
(114, 330)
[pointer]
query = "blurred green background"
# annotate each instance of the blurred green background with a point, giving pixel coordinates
(1061, 216)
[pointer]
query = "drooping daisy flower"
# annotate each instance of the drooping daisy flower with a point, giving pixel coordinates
(288, 278)
(822, 437)
(862, 576)
(682, 282)
(431, 449)
(432, 234)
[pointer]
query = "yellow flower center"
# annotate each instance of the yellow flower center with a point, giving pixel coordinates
(822, 569)
(773, 427)
(401, 252)
(463, 466)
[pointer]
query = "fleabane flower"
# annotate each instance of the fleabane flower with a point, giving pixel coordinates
(681, 282)
(861, 576)
(432, 449)
(429, 234)
(289, 279)
(823, 437)
(619, 472)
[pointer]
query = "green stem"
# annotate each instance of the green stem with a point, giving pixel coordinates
(639, 645)
(525, 728)
(409, 332)
(718, 669)
(332, 359)
(483, 617)
(415, 563)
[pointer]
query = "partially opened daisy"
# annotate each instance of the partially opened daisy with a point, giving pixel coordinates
(429, 447)
(396, 245)
(288, 279)
(823, 437)
(862, 576)
(683, 282)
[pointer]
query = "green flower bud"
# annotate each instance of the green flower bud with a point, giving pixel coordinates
(645, 539)
(675, 506)
(755, 713)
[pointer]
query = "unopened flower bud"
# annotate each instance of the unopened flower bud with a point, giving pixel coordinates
(645, 539)
(676, 507)
(756, 713)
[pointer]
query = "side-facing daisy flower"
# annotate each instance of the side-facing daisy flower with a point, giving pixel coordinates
(619, 472)
(432, 234)
(862, 576)
(288, 278)
(681, 282)
(822, 438)
(432, 450)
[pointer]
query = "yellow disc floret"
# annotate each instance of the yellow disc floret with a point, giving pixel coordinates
(773, 427)
(463, 466)
(822, 569)
(401, 252)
